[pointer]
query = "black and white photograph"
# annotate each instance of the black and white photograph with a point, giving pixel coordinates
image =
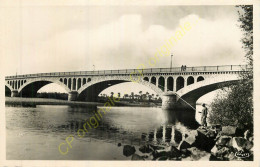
(128, 83)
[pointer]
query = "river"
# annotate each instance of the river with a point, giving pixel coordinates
(35, 133)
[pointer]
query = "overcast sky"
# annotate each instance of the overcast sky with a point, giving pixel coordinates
(49, 39)
(57, 39)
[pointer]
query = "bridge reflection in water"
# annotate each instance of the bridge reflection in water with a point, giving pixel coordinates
(174, 125)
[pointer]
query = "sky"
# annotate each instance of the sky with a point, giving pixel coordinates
(58, 39)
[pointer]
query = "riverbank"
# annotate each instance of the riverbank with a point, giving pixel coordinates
(214, 143)
(32, 102)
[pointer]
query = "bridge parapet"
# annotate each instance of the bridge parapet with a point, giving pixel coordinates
(224, 68)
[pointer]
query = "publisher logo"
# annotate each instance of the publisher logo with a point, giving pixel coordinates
(241, 154)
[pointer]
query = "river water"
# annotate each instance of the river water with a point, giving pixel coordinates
(35, 133)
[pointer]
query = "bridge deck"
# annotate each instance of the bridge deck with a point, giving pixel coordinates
(137, 71)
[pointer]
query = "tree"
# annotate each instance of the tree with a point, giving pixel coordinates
(137, 96)
(236, 106)
(112, 94)
(150, 97)
(132, 95)
(126, 96)
(140, 95)
(147, 95)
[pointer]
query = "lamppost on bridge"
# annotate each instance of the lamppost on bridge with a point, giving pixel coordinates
(171, 60)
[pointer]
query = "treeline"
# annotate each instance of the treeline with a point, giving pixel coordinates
(133, 98)
(53, 95)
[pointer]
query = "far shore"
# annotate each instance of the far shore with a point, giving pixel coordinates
(18, 101)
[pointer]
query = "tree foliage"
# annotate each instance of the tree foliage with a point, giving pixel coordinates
(236, 106)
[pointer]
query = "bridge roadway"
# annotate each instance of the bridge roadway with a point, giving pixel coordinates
(172, 84)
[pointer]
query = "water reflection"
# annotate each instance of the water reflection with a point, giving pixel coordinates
(125, 125)
(186, 118)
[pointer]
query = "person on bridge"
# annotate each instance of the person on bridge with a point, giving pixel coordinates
(204, 114)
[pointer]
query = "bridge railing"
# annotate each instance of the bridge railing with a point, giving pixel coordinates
(138, 71)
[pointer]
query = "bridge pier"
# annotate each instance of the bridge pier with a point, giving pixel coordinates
(73, 96)
(169, 100)
(172, 101)
(14, 93)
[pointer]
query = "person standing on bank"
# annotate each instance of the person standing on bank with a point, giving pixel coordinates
(204, 114)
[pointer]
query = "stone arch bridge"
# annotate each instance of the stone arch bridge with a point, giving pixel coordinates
(172, 84)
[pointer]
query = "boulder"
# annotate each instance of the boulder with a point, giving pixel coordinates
(197, 154)
(224, 141)
(241, 144)
(174, 152)
(183, 146)
(231, 156)
(211, 134)
(146, 149)
(154, 147)
(214, 150)
(170, 152)
(136, 157)
(203, 142)
(216, 128)
(157, 154)
(177, 136)
(197, 138)
(128, 150)
(191, 137)
(163, 158)
(242, 129)
(248, 134)
(251, 139)
(223, 153)
(229, 130)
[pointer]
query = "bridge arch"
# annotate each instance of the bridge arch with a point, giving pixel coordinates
(65, 81)
(200, 78)
(19, 84)
(30, 88)
(153, 80)
(7, 90)
(84, 81)
(15, 84)
(161, 83)
(74, 84)
(79, 83)
(179, 83)
(193, 92)
(92, 89)
(190, 80)
(69, 83)
(9, 86)
(170, 83)
(146, 79)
